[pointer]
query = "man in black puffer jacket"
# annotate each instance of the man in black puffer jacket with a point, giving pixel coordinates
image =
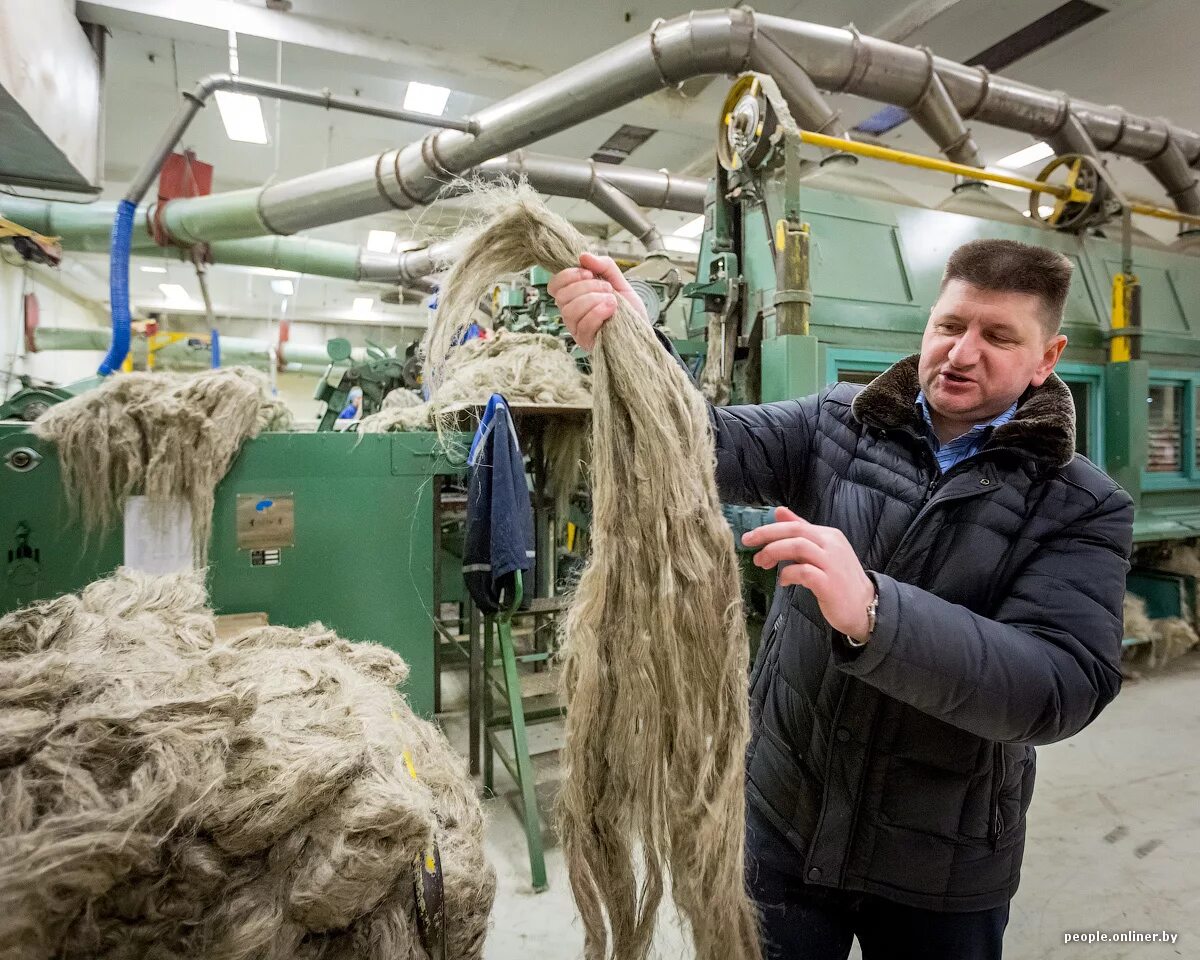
(951, 576)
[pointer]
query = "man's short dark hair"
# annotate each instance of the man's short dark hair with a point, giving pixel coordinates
(1006, 266)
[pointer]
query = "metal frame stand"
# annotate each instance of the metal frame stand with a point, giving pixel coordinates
(506, 718)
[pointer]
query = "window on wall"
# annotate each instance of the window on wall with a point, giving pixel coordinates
(1165, 454)
(1081, 394)
(858, 376)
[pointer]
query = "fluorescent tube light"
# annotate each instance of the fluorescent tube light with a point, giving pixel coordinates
(154, 269)
(283, 287)
(363, 305)
(242, 115)
(693, 228)
(680, 244)
(426, 98)
(1023, 158)
(381, 241)
(174, 293)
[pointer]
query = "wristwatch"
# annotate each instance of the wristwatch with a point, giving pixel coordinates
(872, 613)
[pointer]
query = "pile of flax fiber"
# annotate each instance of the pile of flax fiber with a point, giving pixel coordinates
(167, 794)
(169, 436)
(655, 640)
(527, 368)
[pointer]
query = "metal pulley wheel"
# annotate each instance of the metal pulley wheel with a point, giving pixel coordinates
(649, 297)
(1076, 172)
(746, 125)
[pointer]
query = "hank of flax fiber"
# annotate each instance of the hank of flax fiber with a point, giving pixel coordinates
(169, 436)
(165, 793)
(655, 640)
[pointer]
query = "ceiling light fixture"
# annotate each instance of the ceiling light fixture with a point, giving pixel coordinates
(426, 98)
(283, 287)
(174, 293)
(362, 305)
(693, 228)
(672, 241)
(154, 269)
(381, 241)
(1023, 158)
(242, 115)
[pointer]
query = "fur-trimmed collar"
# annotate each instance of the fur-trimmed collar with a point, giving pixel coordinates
(1043, 427)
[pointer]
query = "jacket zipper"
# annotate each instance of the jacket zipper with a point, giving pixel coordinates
(766, 651)
(1001, 771)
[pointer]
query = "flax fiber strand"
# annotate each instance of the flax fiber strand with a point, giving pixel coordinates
(169, 436)
(168, 794)
(655, 640)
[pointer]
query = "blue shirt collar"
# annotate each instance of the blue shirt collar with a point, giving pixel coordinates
(998, 421)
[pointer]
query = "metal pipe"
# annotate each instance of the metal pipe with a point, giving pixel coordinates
(804, 101)
(576, 179)
(935, 114)
(1071, 137)
(568, 177)
(1171, 170)
(87, 228)
(670, 52)
(415, 266)
(846, 61)
(196, 98)
(624, 211)
(235, 215)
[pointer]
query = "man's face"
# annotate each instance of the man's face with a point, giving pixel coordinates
(981, 349)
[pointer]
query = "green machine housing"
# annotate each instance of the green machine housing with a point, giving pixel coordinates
(352, 545)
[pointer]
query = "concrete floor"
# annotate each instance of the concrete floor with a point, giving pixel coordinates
(1114, 842)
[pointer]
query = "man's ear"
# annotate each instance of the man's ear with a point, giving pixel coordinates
(1050, 356)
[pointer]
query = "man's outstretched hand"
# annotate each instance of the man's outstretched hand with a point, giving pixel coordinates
(587, 296)
(821, 560)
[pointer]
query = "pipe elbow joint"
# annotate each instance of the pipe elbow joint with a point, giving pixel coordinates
(715, 41)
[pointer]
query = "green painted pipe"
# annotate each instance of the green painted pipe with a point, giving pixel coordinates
(88, 227)
(71, 338)
(321, 258)
(81, 226)
(231, 215)
(235, 351)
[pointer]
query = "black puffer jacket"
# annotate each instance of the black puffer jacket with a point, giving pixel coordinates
(905, 769)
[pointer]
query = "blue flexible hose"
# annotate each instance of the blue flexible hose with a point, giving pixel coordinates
(118, 282)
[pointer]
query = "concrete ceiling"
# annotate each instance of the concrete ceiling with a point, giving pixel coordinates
(1139, 55)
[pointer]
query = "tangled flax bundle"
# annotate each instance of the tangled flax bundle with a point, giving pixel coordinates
(167, 794)
(401, 397)
(655, 641)
(165, 435)
(527, 368)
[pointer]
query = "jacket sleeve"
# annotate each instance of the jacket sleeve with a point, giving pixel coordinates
(762, 450)
(1039, 672)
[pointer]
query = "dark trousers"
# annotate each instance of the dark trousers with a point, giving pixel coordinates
(801, 921)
